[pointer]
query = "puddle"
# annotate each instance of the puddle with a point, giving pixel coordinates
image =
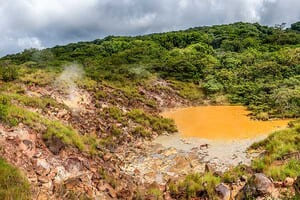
(219, 134)
(220, 123)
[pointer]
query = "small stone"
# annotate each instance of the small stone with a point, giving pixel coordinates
(37, 155)
(288, 182)
(107, 157)
(43, 179)
(10, 138)
(278, 183)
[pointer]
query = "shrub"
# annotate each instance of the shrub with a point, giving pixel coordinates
(262, 116)
(157, 123)
(114, 112)
(115, 130)
(195, 184)
(8, 72)
(3, 107)
(141, 131)
(156, 193)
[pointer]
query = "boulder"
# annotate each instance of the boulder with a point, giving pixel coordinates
(258, 185)
(263, 184)
(223, 191)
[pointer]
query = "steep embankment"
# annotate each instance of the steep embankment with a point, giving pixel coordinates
(68, 142)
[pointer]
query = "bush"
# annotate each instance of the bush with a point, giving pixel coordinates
(114, 112)
(195, 184)
(157, 123)
(115, 130)
(155, 193)
(141, 131)
(3, 108)
(8, 72)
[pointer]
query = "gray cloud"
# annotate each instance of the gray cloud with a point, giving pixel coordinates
(44, 23)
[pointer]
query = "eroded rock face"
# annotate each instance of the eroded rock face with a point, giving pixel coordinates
(51, 175)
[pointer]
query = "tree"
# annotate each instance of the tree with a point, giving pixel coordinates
(296, 26)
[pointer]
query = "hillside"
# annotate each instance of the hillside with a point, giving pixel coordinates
(71, 115)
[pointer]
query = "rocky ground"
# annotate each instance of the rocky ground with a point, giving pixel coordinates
(57, 171)
(126, 165)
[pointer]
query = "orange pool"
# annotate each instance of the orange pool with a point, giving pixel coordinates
(220, 122)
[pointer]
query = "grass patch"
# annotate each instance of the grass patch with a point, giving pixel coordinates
(105, 176)
(188, 90)
(155, 193)
(13, 185)
(37, 76)
(236, 173)
(141, 131)
(277, 146)
(34, 102)
(114, 112)
(195, 185)
(289, 169)
(13, 115)
(157, 123)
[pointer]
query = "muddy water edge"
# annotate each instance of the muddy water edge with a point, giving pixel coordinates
(217, 136)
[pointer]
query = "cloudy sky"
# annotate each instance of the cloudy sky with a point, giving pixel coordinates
(45, 23)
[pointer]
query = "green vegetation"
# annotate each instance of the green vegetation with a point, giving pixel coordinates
(188, 90)
(110, 179)
(157, 123)
(195, 184)
(141, 131)
(155, 193)
(8, 72)
(12, 183)
(280, 159)
(233, 175)
(243, 63)
(296, 26)
(142, 120)
(13, 115)
(114, 112)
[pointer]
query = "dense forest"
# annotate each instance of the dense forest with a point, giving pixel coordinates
(248, 64)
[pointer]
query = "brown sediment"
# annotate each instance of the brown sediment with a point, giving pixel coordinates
(221, 122)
